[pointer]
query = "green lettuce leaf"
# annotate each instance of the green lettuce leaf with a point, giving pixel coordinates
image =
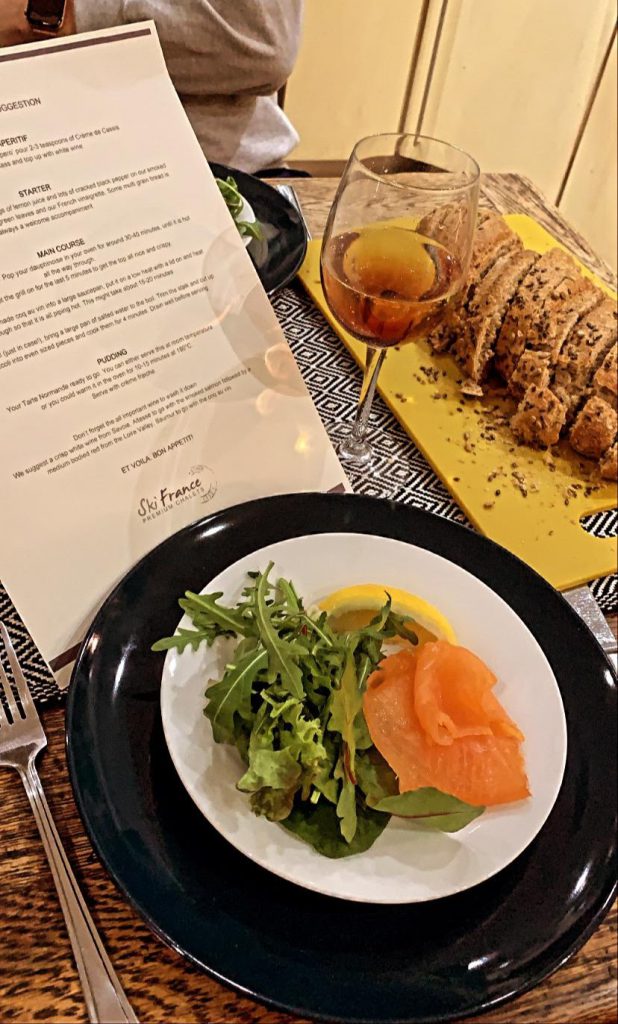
(430, 808)
(285, 755)
(318, 825)
(375, 777)
(325, 783)
(362, 738)
(274, 804)
(271, 769)
(304, 738)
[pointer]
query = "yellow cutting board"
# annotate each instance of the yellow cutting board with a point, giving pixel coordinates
(526, 500)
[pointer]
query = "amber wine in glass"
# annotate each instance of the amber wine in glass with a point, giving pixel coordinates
(396, 249)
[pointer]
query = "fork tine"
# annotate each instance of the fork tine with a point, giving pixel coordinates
(20, 682)
(3, 715)
(8, 693)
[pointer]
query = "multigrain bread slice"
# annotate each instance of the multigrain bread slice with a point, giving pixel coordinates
(589, 342)
(520, 324)
(609, 463)
(485, 311)
(594, 429)
(539, 418)
(605, 380)
(493, 239)
(449, 225)
(511, 339)
(533, 368)
(562, 308)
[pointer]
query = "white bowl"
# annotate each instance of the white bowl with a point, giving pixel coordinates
(405, 865)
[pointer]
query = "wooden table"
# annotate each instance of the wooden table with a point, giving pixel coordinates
(38, 979)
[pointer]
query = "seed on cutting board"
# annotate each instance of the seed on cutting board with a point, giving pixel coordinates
(488, 504)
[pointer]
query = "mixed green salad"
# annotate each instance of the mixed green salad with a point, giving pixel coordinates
(235, 203)
(291, 702)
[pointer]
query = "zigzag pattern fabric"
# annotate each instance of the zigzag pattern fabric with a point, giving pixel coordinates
(399, 471)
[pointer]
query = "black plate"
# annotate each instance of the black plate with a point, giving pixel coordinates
(307, 953)
(278, 256)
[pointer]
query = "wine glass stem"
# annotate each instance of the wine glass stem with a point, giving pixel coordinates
(373, 365)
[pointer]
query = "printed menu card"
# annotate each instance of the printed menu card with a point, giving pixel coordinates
(144, 379)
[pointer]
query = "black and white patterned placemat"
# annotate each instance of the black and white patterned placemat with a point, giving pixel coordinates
(398, 471)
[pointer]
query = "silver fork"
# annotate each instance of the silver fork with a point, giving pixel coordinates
(21, 739)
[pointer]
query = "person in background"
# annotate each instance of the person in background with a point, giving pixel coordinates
(227, 59)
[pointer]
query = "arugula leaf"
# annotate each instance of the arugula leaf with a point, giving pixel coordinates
(229, 190)
(398, 626)
(346, 802)
(186, 638)
(230, 620)
(232, 694)
(318, 825)
(345, 704)
(249, 229)
(290, 597)
(235, 202)
(320, 628)
(430, 808)
(280, 657)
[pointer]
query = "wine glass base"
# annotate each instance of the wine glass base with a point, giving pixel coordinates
(355, 451)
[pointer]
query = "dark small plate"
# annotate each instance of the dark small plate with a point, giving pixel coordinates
(279, 254)
(295, 949)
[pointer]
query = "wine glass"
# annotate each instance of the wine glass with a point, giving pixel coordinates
(396, 249)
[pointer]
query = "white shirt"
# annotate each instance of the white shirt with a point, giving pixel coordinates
(227, 59)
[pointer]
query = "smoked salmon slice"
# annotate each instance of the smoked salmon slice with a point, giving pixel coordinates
(433, 716)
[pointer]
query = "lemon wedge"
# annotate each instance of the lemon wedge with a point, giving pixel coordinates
(354, 607)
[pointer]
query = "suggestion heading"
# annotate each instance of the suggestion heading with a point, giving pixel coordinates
(31, 101)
